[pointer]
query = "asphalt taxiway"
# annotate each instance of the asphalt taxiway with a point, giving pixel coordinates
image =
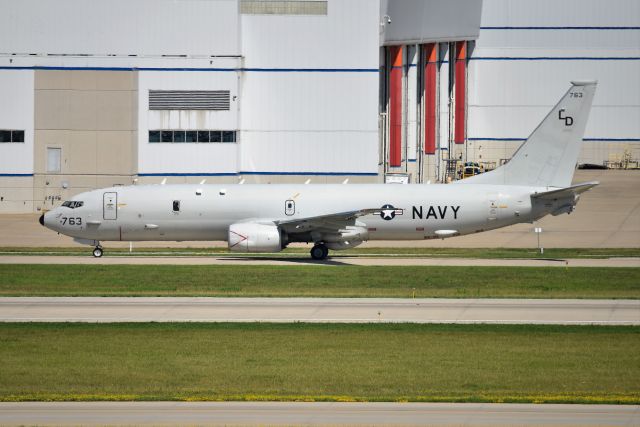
(320, 310)
(382, 260)
(321, 413)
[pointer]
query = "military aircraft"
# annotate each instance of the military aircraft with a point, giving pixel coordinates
(266, 218)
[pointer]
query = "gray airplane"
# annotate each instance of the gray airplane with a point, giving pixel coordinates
(266, 218)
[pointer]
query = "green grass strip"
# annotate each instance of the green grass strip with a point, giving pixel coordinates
(485, 253)
(318, 281)
(339, 362)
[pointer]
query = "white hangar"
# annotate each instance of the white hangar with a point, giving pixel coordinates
(97, 93)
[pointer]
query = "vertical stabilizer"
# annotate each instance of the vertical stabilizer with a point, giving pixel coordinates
(548, 157)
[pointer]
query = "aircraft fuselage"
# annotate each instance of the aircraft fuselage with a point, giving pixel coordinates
(205, 212)
(265, 218)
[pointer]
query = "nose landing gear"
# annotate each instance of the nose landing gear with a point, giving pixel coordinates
(319, 252)
(97, 251)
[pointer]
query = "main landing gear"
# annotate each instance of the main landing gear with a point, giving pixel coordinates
(319, 252)
(97, 251)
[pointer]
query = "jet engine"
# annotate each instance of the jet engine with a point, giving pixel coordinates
(253, 237)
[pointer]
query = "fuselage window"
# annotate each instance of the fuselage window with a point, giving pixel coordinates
(72, 204)
(176, 205)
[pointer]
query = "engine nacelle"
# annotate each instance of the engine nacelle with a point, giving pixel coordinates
(252, 237)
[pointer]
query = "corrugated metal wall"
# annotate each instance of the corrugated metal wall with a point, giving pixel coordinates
(525, 57)
(175, 158)
(304, 89)
(424, 21)
(310, 92)
(120, 27)
(16, 112)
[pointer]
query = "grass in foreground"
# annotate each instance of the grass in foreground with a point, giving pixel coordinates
(486, 253)
(466, 363)
(318, 281)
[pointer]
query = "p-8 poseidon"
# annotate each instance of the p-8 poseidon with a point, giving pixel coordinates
(266, 218)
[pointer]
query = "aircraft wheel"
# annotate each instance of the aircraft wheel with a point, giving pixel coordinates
(97, 252)
(319, 252)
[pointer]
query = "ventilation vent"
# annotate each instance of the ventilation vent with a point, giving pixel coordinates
(218, 100)
(283, 7)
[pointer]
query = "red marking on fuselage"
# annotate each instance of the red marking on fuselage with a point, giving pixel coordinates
(242, 238)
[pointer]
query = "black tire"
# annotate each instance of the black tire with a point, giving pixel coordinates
(326, 252)
(97, 252)
(319, 252)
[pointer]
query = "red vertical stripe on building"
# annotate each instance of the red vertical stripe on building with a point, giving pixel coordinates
(395, 106)
(430, 98)
(461, 90)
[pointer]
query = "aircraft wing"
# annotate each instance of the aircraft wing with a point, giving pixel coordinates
(562, 193)
(326, 223)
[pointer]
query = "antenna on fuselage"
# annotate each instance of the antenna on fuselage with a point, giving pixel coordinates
(164, 181)
(203, 181)
(345, 181)
(307, 181)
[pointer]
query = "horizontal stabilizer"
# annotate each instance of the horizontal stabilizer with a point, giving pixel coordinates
(562, 193)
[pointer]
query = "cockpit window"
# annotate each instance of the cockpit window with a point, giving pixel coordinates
(72, 204)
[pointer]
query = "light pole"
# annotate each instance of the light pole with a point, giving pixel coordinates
(538, 231)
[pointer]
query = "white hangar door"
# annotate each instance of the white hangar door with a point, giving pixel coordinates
(110, 206)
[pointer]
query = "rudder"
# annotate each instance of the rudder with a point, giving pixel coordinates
(548, 157)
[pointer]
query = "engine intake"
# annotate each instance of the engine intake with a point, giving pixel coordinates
(252, 237)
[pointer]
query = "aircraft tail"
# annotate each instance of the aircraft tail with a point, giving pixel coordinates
(548, 157)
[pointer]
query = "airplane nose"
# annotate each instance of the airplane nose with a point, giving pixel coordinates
(41, 219)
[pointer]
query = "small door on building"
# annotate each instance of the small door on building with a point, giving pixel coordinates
(289, 207)
(110, 206)
(54, 156)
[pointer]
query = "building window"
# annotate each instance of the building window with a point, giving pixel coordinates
(191, 136)
(179, 136)
(228, 136)
(200, 136)
(203, 136)
(167, 136)
(11, 135)
(53, 159)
